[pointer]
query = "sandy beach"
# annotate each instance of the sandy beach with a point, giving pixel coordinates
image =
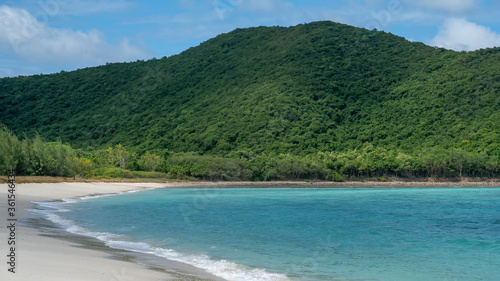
(39, 257)
(426, 182)
(52, 258)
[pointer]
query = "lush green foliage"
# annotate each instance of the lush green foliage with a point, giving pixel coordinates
(270, 103)
(36, 157)
(207, 168)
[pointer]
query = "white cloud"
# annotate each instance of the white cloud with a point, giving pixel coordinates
(446, 5)
(26, 38)
(462, 35)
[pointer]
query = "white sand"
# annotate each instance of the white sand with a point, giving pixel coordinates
(49, 259)
(44, 258)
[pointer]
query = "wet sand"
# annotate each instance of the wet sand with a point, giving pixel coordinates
(51, 255)
(44, 253)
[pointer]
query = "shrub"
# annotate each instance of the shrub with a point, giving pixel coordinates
(109, 173)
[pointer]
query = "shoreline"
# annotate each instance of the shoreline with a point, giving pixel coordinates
(325, 184)
(57, 255)
(163, 183)
(48, 253)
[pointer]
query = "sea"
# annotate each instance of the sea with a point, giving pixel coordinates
(345, 234)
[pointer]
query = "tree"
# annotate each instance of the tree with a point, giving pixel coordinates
(82, 166)
(460, 159)
(118, 156)
(10, 150)
(40, 160)
(150, 162)
(62, 155)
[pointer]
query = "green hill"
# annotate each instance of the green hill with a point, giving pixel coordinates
(318, 87)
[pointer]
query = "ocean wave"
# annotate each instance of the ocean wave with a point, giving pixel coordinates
(49, 207)
(88, 197)
(221, 268)
(67, 224)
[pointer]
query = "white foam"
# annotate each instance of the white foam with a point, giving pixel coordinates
(96, 196)
(131, 246)
(54, 206)
(69, 200)
(222, 268)
(87, 197)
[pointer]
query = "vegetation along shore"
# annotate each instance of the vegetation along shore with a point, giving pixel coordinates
(316, 102)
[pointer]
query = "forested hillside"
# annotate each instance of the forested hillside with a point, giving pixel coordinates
(316, 88)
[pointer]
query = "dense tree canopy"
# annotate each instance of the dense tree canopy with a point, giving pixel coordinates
(316, 88)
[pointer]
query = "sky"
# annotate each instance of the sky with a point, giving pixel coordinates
(48, 36)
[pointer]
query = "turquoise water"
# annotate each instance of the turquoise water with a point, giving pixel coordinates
(302, 234)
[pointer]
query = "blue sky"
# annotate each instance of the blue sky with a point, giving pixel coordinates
(47, 36)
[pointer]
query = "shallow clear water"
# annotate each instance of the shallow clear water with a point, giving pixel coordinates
(303, 234)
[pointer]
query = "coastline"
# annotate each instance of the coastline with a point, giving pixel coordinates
(163, 183)
(329, 184)
(61, 257)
